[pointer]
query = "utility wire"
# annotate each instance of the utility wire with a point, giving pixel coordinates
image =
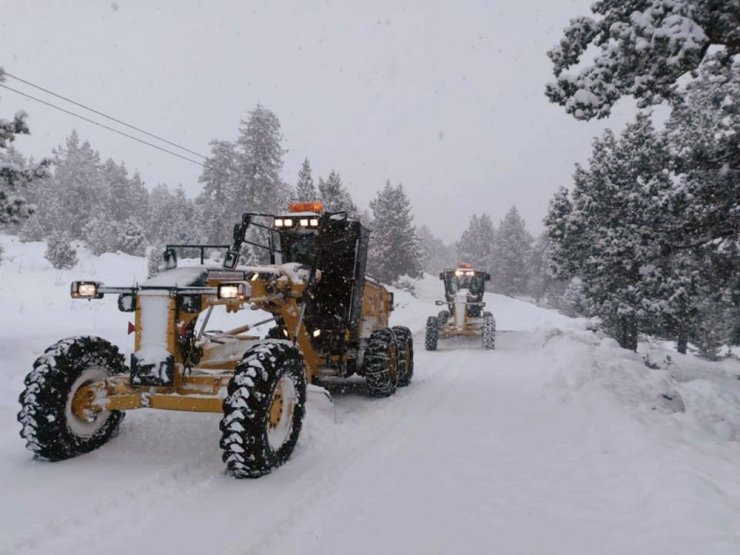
(93, 110)
(100, 125)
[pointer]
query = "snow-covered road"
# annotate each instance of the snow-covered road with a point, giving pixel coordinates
(554, 443)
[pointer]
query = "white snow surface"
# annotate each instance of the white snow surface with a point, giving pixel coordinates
(557, 442)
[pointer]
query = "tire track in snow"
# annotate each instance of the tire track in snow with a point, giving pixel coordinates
(114, 518)
(330, 484)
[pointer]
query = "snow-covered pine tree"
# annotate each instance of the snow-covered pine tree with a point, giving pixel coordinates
(131, 239)
(16, 173)
(260, 161)
(609, 234)
(476, 243)
(335, 195)
(395, 249)
(128, 196)
(155, 259)
(60, 252)
(571, 302)
(101, 235)
(171, 217)
(642, 47)
(542, 285)
(512, 248)
(77, 191)
(32, 230)
(224, 193)
(437, 254)
(305, 190)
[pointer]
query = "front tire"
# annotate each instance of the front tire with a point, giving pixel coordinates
(264, 409)
(442, 318)
(432, 334)
(405, 354)
(489, 331)
(48, 424)
(381, 363)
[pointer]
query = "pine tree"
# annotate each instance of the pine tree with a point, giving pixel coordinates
(77, 192)
(607, 234)
(260, 161)
(512, 252)
(394, 245)
(32, 230)
(305, 190)
(101, 235)
(335, 196)
(476, 243)
(16, 174)
(131, 237)
(60, 252)
(155, 259)
(642, 48)
(437, 254)
(224, 193)
(171, 217)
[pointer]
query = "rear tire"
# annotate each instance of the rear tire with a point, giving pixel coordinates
(405, 355)
(432, 334)
(489, 331)
(51, 430)
(263, 411)
(381, 363)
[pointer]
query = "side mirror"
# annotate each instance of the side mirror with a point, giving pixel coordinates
(441, 275)
(231, 260)
(439, 303)
(170, 258)
(237, 233)
(127, 302)
(487, 277)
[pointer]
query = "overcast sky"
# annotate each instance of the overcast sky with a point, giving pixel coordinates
(444, 97)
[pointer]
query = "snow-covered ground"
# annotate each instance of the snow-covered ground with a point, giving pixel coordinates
(557, 442)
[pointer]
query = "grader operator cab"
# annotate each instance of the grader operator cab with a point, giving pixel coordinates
(329, 320)
(464, 315)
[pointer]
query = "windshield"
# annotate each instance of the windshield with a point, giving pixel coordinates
(301, 247)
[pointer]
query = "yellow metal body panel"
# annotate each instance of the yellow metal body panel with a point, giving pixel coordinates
(201, 388)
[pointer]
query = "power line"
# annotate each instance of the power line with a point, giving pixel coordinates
(93, 110)
(100, 124)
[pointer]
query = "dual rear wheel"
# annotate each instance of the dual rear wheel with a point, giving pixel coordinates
(389, 360)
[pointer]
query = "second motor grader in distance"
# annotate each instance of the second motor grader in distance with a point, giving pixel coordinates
(464, 314)
(330, 320)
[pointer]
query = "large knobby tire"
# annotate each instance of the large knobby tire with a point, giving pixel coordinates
(264, 408)
(432, 334)
(51, 430)
(405, 342)
(489, 331)
(381, 363)
(442, 318)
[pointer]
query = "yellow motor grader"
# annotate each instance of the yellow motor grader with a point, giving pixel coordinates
(329, 320)
(464, 315)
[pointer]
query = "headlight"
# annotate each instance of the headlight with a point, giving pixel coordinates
(458, 272)
(86, 290)
(304, 222)
(287, 222)
(279, 222)
(316, 333)
(314, 222)
(233, 291)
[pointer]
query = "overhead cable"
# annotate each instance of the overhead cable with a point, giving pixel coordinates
(100, 124)
(93, 110)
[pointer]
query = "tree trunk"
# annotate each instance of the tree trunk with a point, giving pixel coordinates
(628, 333)
(683, 339)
